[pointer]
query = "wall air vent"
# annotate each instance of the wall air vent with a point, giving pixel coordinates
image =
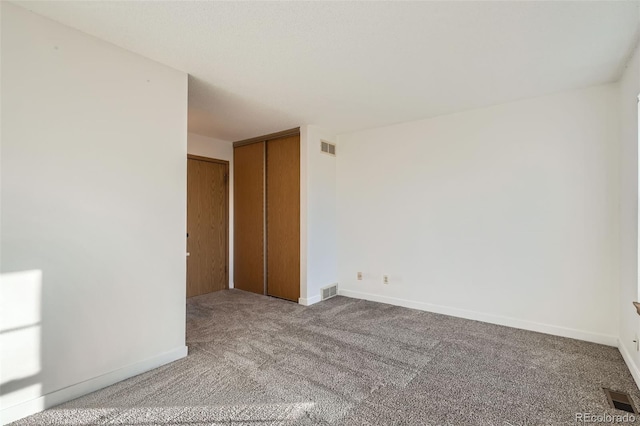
(329, 291)
(328, 148)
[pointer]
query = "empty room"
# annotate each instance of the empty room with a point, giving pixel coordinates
(319, 213)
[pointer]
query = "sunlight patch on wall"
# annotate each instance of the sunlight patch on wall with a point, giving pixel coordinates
(20, 340)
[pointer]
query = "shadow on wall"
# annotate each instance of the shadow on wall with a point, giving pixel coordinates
(215, 111)
(20, 338)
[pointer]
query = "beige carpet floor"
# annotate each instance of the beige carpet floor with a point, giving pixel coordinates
(255, 360)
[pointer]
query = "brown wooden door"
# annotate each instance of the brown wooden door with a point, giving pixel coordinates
(283, 217)
(207, 225)
(248, 223)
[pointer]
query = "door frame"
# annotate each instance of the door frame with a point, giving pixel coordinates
(226, 210)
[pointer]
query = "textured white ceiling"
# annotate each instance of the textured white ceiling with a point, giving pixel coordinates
(260, 67)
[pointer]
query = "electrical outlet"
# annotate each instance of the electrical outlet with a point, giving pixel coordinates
(385, 279)
(359, 276)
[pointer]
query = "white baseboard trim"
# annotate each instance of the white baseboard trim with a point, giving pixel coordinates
(628, 359)
(309, 301)
(603, 339)
(27, 408)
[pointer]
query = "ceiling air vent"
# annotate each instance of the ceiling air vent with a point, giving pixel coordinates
(329, 291)
(328, 148)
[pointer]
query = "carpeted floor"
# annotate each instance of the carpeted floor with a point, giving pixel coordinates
(255, 360)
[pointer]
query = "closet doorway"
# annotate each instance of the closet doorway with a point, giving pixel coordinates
(267, 214)
(207, 225)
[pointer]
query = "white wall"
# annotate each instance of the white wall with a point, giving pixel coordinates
(221, 150)
(318, 224)
(93, 212)
(507, 214)
(629, 320)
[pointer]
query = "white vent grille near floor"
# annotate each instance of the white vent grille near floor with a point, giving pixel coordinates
(330, 291)
(328, 148)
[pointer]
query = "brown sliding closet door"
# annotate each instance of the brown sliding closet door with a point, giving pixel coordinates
(283, 217)
(267, 214)
(248, 247)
